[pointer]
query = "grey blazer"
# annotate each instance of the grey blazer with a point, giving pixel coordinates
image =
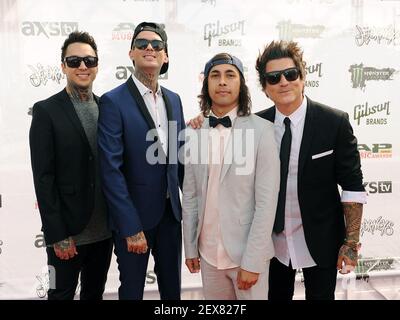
(248, 191)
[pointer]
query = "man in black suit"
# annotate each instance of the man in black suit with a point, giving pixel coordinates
(63, 143)
(316, 228)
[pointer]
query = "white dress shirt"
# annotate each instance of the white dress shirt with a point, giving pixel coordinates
(156, 106)
(290, 245)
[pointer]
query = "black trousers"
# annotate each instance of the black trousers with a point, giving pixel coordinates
(165, 244)
(320, 283)
(92, 263)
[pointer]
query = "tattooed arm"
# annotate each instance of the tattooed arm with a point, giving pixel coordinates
(137, 243)
(348, 253)
(65, 249)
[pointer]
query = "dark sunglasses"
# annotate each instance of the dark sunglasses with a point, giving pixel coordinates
(142, 44)
(75, 61)
(274, 77)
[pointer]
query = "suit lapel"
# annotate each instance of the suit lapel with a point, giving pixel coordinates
(69, 109)
(268, 114)
(133, 90)
(203, 138)
(168, 107)
(308, 133)
(203, 168)
(168, 104)
(239, 123)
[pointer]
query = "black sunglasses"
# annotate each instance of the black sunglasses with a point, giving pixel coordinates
(274, 77)
(142, 44)
(75, 61)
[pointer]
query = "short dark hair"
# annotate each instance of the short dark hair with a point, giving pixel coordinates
(278, 50)
(78, 36)
(244, 93)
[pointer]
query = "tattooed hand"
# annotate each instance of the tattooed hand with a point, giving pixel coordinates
(65, 249)
(137, 243)
(347, 260)
(348, 253)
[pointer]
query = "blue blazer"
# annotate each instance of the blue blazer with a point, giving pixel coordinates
(135, 189)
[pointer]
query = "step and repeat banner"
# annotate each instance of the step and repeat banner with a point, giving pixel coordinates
(353, 62)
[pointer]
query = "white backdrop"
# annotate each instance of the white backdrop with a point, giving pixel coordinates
(352, 51)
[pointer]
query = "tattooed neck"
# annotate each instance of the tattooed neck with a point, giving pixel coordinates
(80, 94)
(150, 80)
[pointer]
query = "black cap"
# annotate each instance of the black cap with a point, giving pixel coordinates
(231, 60)
(156, 28)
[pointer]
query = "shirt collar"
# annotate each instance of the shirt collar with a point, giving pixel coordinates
(296, 117)
(142, 88)
(232, 114)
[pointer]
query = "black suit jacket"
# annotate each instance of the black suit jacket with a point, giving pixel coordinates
(63, 168)
(325, 129)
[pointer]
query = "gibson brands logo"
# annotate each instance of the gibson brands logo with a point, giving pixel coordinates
(48, 29)
(216, 30)
(41, 75)
(386, 36)
(313, 71)
(379, 226)
(289, 31)
(123, 31)
(375, 150)
(366, 111)
(361, 74)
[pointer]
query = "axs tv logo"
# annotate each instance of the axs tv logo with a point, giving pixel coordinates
(378, 187)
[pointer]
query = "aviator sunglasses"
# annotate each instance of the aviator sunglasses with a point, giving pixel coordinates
(142, 44)
(75, 61)
(291, 74)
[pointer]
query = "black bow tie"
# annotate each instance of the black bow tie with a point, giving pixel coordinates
(225, 121)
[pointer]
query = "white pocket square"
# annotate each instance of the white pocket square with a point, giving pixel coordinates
(323, 154)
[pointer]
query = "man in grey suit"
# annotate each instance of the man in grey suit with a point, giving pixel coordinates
(230, 188)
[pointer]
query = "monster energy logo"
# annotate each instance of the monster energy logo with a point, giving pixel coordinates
(289, 31)
(361, 74)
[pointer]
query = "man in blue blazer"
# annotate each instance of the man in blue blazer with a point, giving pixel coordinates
(138, 127)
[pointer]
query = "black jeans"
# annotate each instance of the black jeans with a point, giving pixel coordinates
(320, 283)
(92, 263)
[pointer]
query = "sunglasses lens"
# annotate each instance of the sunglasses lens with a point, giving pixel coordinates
(142, 44)
(90, 62)
(273, 77)
(291, 74)
(75, 62)
(157, 45)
